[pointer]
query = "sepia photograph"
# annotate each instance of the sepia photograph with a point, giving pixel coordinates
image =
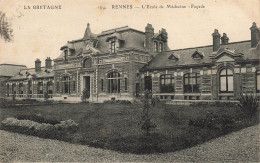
(129, 81)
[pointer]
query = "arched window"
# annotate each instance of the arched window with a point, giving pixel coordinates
(160, 47)
(258, 81)
(167, 83)
(113, 82)
(192, 83)
(65, 84)
(87, 63)
(155, 46)
(226, 80)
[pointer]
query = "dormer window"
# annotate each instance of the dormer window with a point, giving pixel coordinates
(197, 54)
(155, 46)
(113, 46)
(174, 57)
(160, 47)
(66, 55)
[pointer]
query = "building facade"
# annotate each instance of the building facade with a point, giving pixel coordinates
(120, 63)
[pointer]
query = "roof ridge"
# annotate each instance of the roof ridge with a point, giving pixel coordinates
(207, 46)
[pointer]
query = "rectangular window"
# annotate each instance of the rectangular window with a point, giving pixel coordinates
(102, 85)
(166, 83)
(148, 83)
(113, 47)
(73, 85)
(125, 84)
(57, 86)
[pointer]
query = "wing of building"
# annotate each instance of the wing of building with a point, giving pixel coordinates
(7, 71)
(120, 63)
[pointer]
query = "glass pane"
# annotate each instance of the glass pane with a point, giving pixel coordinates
(193, 81)
(258, 82)
(167, 81)
(223, 72)
(223, 84)
(186, 81)
(229, 72)
(230, 83)
(162, 81)
(198, 80)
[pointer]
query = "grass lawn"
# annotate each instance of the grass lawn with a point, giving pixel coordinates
(117, 127)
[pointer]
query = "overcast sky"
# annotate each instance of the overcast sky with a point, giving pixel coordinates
(41, 33)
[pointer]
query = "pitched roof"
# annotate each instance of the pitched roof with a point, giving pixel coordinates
(162, 60)
(29, 73)
(10, 69)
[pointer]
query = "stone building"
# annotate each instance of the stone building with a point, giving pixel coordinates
(120, 63)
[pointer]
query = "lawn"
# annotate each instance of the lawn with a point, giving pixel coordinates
(117, 126)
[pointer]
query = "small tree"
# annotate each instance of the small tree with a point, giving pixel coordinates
(147, 125)
(85, 95)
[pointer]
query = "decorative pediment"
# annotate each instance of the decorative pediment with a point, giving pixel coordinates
(89, 48)
(117, 36)
(225, 52)
(225, 58)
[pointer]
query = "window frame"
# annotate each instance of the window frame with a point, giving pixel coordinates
(160, 47)
(164, 87)
(113, 46)
(226, 78)
(113, 79)
(155, 46)
(65, 84)
(191, 87)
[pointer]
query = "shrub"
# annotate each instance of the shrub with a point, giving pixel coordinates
(124, 102)
(248, 102)
(85, 95)
(213, 122)
(59, 131)
(38, 118)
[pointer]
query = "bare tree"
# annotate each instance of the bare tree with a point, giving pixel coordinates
(6, 31)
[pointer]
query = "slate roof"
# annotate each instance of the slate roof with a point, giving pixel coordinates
(162, 59)
(31, 73)
(10, 69)
(133, 40)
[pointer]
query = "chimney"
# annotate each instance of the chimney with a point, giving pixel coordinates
(48, 63)
(224, 39)
(37, 65)
(255, 35)
(216, 40)
(164, 34)
(149, 33)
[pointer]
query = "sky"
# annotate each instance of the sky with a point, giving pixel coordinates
(39, 33)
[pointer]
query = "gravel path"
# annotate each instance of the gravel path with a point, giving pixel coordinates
(242, 146)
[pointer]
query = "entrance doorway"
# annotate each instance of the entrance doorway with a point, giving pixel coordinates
(87, 83)
(148, 83)
(137, 89)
